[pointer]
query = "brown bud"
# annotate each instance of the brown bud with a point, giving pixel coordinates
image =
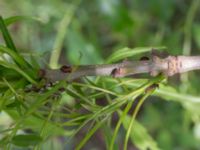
(151, 88)
(66, 69)
(144, 58)
(116, 72)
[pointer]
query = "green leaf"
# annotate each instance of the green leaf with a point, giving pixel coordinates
(26, 140)
(34, 62)
(128, 52)
(10, 20)
(41, 100)
(90, 133)
(135, 112)
(11, 50)
(6, 35)
(107, 132)
(17, 69)
(15, 56)
(139, 135)
(96, 88)
(13, 105)
(122, 116)
(165, 91)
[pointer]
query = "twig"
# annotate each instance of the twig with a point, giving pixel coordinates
(168, 66)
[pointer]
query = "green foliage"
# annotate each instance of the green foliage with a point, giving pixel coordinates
(26, 140)
(139, 135)
(95, 112)
(6, 35)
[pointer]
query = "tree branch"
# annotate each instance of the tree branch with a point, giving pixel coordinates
(168, 66)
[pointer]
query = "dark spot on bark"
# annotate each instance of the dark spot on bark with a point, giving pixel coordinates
(41, 73)
(66, 69)
(50, 84)
(115, 72)
(144, 58)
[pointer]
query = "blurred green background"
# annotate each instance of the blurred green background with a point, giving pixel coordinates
(88, 31)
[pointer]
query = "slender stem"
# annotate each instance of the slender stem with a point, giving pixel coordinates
(135, 112)
(62, 30)
(189, 63)
(168, 66)
(128, 107)
(187, 38)
(192, 13)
